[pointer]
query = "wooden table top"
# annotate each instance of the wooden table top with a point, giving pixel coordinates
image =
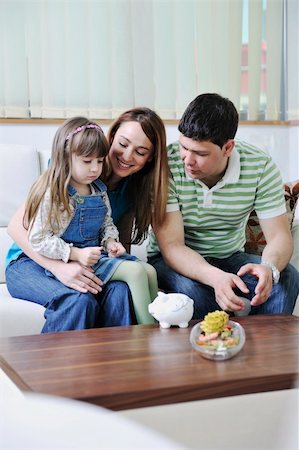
(144, 365)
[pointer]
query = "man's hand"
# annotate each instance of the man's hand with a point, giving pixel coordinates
(77, 277)
(86, 256)
(264, 286)
(115, 248)
(224, 284)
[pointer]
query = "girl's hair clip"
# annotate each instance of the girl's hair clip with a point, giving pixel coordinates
(82, 128)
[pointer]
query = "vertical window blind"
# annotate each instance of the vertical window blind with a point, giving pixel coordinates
(99, 57)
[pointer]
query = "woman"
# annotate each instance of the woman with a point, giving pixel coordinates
(136, 175)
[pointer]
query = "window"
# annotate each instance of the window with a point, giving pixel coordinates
(99, 57)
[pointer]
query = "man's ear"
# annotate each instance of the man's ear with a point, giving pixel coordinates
(228, 147)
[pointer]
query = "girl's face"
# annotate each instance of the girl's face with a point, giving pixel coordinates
(130, 150)
(85, 169)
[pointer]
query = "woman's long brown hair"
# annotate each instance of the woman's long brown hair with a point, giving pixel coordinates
(148, 187)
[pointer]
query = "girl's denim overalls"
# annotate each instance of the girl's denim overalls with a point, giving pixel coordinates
(86, 228)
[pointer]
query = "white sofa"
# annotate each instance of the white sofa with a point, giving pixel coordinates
(20, 166)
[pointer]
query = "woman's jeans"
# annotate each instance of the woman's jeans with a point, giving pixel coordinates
(282, 299)
(66, 308)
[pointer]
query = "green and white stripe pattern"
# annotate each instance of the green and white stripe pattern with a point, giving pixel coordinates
(215, 219)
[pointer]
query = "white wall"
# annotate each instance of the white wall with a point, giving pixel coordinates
(281, 141)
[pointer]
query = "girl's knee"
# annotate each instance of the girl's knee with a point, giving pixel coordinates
(135, 270)
(150, 270)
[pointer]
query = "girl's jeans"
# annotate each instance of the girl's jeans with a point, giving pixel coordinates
(282, 299)
(66, 308)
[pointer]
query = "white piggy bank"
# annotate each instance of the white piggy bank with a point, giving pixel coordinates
(172, 309)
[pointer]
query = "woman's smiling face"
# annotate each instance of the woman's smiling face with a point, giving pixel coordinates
(130, 150)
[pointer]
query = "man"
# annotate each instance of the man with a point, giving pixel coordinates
(216, 182)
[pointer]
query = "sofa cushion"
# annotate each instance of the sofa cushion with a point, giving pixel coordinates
(19, 169)
(19, 317)
(17, 174)
(255, 240)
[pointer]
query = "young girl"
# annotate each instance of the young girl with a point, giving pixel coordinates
(69, 216)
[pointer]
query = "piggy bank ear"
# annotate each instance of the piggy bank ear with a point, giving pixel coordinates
(159, 298)
(162, 297)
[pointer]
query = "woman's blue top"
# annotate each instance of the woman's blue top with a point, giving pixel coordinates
(119, 200)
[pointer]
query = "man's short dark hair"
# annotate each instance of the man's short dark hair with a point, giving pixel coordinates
(210, 117)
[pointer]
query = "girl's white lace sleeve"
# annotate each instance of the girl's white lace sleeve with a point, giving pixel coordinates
(43, 240)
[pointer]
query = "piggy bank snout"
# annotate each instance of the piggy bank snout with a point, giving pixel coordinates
(151, 308)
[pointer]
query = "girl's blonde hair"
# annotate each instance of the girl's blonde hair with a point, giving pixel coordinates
(148, 187)
(77, 136)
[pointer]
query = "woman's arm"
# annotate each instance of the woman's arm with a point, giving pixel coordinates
(72, 274)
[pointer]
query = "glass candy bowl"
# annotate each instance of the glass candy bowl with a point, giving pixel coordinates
(218, 348)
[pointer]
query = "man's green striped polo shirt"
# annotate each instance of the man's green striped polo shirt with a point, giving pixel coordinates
(215, 219)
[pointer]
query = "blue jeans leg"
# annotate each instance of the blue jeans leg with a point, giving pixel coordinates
(66, 308)
(116, 305)
(281, 300)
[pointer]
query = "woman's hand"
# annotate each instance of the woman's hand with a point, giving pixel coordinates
(77, 277)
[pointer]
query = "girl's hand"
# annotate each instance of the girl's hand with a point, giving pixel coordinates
(87, 256)
(115, 249)
(77, 277)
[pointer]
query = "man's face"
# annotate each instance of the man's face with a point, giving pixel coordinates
(204, 160)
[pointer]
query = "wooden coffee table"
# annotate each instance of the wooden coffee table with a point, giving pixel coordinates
(130, 367)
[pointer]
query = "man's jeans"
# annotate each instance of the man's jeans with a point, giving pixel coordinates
(282, 299)
(66, 308)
